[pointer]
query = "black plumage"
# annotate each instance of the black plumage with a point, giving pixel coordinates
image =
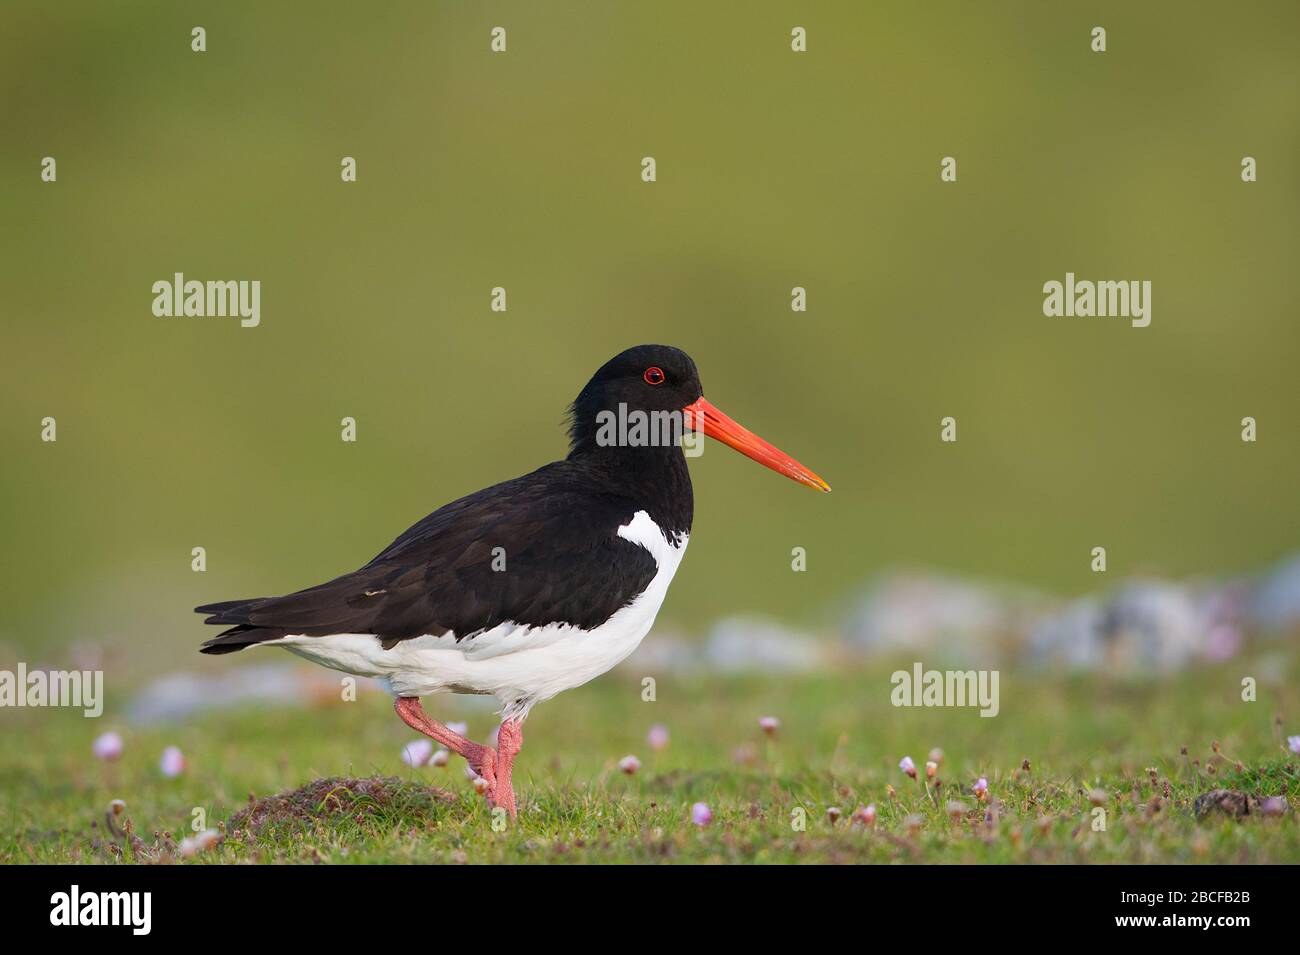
(557, 529)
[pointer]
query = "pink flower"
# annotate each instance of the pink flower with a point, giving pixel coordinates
(440, 758)
(1223, 641)
(1272, 806)
(108, 746)
(480, 785)
(931, 768)
(907, 766)
(206, 840)
(701, 814)
(460, 729)
(417, 753)
(866, 815)
(769, 725)
(657, 738)
(629, 765)
(1293, 743)
(172, 763)
(981, 787)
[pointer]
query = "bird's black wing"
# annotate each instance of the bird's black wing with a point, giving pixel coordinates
(540, 549)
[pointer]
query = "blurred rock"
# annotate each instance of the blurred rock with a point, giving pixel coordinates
(668, 651)
(733, 645)
(1143, 627)
(180, 695)
(1152, 625)
(1071, 637)
(1274, 605)
(1223, 611)
(740, 644)
(941, 616)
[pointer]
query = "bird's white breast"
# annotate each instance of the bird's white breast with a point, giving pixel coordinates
(518, 664)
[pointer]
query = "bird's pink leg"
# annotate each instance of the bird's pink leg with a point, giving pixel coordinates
(510, 739)
(482, 759)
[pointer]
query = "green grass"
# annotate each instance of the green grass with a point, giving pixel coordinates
(839, 746)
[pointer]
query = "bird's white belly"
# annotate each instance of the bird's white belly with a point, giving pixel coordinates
(518, 664)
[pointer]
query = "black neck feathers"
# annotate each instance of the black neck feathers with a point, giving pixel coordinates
(653, 479)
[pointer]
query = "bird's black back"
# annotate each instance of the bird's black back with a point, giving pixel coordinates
(563, 559)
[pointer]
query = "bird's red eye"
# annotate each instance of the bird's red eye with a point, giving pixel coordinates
(654, 376)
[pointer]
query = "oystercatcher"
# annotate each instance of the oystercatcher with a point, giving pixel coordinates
(529, 587)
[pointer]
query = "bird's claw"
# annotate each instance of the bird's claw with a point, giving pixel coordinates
(499, 792)
(484, 766)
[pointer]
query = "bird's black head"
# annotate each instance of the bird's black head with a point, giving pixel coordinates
(647, 399)
(637, 382)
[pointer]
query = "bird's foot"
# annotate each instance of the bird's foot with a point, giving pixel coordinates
(491, 765)
(482, 759)
(482, 762)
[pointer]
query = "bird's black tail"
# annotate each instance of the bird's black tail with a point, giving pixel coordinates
(242, 634)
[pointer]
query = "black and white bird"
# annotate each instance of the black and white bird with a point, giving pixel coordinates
(529, 587)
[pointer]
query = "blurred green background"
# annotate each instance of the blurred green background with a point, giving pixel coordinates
(522, 169)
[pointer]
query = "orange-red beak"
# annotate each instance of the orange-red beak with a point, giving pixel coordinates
(702, 416)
